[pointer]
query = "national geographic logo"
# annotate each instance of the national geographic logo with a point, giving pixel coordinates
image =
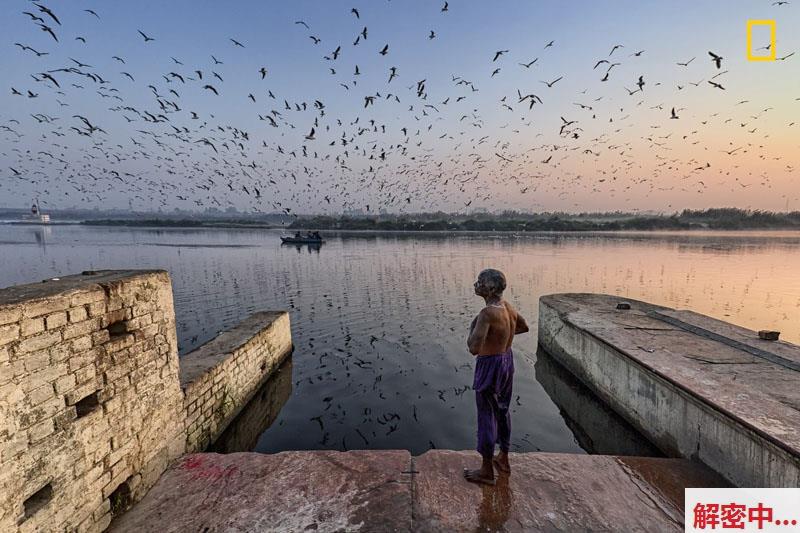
(771, 48)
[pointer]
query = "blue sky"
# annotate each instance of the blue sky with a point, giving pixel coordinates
(470, 153)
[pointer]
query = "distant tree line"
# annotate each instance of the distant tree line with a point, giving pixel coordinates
(718, 218)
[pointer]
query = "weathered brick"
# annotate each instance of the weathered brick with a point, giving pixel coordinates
(81, 328)
(60, 352)
(9, 333)
(9, 315)
(89, 357)
(64, 384)
(85, 374)
(81, 344)
(96, 309)
(40, 395)
(36, 308)
(36, 360)
(56, 320)
(103, 509)
(77, 314)
(39, 342)
(87, 297)
(31, 326)
(118, 343)
(48, 374)
(100, 337)
(76, 395)
(40, 431)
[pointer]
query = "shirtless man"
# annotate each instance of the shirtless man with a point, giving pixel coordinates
(490, 336)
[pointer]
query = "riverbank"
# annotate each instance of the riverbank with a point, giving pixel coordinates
(725, 219)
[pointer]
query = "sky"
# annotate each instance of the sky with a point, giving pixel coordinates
(448, 132)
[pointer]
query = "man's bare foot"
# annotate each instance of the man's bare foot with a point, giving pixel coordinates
(479, 476)
(485, 474)
(500, 462)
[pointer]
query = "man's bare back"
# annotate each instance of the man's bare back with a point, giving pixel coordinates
(492, 331)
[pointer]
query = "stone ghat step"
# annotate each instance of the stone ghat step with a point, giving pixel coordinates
(670, 372)
(393, 491)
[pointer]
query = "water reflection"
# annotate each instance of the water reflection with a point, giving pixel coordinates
(597, 428)
(260, 412)
(379, 320)
(309, 246)
(495, 507)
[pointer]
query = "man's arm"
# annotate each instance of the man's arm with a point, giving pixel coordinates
(477, 335)
(522, 326)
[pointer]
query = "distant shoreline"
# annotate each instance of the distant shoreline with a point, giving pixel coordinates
(725, 219)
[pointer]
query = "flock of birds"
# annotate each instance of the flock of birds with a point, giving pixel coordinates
(413, 143)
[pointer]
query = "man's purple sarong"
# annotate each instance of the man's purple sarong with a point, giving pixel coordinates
(493, 379)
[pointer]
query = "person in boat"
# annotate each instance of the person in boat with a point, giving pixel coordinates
(297, 235)
(490, 336)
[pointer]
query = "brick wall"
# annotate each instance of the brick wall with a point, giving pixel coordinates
(90, 403)
(93, 402)
(221, 376)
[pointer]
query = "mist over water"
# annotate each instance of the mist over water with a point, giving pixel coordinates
(379, 321)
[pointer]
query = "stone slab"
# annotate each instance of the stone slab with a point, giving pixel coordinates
(373, 491)
(66, 285)
(555, 492)
(289, 491)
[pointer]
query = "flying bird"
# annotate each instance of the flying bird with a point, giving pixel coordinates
(146, 38)
(498, 54)
(716, 59)
(551, 83)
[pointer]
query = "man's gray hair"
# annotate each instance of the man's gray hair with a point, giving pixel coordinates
(494, 279)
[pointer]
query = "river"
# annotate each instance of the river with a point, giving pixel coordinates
(379, 320)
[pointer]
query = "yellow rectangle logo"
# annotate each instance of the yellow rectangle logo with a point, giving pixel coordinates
(772, 51)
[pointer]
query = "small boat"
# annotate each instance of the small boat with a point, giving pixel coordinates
(302, 240)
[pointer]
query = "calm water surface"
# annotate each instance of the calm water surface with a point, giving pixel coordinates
(379, 320)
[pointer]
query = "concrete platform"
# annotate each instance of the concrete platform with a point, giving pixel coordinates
(695, 386)
(380, 491)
